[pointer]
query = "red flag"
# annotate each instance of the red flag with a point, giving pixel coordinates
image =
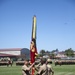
(33, 53)
(33, 49)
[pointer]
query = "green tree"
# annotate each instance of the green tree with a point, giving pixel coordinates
(42, 52)
(47, 52)
(57, 50)
(69, 52)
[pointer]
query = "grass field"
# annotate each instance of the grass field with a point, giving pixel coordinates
(59, 70)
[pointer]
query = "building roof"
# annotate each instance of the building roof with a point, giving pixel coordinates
(61, 52)
(6, 52)
(11, 49)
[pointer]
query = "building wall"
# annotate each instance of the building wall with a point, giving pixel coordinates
(11, 52)
(15, 53)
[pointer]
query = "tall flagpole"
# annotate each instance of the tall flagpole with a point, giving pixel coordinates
(33, 48)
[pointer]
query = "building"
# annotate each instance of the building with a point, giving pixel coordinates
(15, 53)
(61, 55)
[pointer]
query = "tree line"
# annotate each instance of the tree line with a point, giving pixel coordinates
(68, 52)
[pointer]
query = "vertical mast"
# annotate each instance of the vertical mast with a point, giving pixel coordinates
(34, 28)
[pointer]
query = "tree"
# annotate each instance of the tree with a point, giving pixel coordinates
(47, 52)
(42, 52)
(69, 52)
(57, 50)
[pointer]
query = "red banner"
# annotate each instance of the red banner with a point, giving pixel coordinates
(33, 53)
(33, 49)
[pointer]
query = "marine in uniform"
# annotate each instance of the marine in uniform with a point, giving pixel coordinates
(26, 69)
(43, 70)
(50, 70)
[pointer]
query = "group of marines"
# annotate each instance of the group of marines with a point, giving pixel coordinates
(43, 68)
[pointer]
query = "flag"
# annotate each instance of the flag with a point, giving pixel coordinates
(33, 48)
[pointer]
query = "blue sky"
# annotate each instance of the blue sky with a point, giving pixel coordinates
(55, 23)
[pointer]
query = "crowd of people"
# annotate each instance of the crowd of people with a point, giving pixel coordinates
(43, 68)
(6, 61)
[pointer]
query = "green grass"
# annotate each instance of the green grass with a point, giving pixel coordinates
(58, 70)
(64, 70)
(14, 70)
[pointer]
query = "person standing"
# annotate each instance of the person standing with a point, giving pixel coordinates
(26, 69)
(43, 70)
(50, 70)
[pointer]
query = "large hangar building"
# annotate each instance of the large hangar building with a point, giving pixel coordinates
(15, 53)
